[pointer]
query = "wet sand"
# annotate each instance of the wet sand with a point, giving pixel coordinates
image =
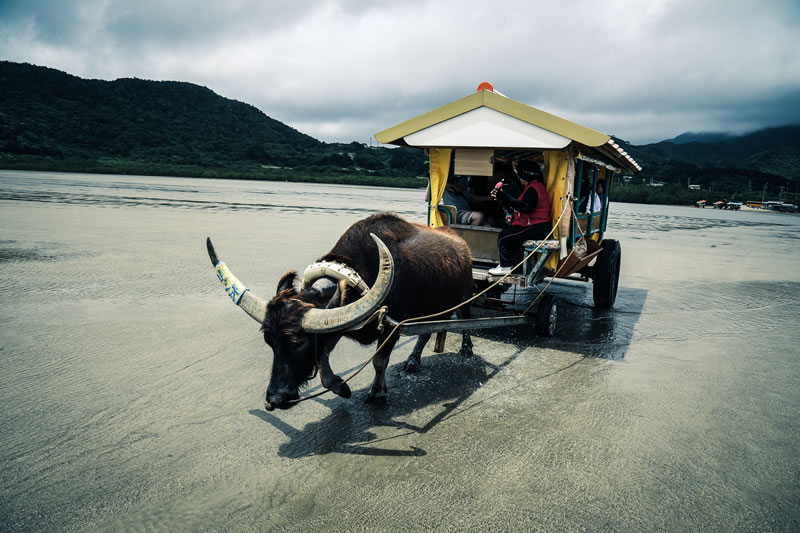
(132, 388)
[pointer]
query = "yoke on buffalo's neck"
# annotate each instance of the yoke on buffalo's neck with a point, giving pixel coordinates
(317, 320)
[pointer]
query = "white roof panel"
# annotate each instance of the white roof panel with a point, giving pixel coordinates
(486, 127)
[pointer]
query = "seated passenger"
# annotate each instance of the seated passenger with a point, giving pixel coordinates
(601, 193)
(530, 217)
(480, 188)
(597, 204)
(456, 193)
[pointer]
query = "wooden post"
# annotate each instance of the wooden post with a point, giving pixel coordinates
(566, 205)
(438, 346)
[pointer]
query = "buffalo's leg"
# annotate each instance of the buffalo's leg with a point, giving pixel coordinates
(414, 360)
(463, 313)
(330, 380)
(377, 394)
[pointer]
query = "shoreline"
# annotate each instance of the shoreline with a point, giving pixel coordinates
(326, 179)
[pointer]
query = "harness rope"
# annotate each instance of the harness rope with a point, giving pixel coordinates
(454, 308)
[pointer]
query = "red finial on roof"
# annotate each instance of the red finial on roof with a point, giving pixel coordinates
(485, 86)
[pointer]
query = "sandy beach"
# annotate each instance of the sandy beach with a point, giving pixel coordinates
(132, 388)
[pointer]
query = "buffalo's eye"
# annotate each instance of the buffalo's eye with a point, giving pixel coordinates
(291, 344)
(297, 344)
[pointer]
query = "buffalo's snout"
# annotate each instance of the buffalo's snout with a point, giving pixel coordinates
(281, 399)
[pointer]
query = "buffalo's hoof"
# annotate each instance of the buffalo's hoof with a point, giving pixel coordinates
(466, 347)
(341, 389)
(412, 365)
(376, 398)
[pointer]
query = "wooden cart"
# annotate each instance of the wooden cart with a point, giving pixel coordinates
(469, 137)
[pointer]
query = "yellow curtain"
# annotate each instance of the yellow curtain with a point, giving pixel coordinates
(555, 164)
(440, 167)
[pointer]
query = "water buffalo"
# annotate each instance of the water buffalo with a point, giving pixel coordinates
(412, 269)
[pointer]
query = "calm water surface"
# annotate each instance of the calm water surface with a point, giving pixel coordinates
(132, 389)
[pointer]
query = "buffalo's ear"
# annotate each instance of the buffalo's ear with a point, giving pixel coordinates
(337, 300)
(287, 281)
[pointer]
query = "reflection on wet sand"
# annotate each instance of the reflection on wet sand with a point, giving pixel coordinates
(132, 388)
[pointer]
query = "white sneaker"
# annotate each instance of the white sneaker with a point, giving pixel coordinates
(499, 270)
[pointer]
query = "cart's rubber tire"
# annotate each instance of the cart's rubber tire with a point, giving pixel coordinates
(547, 316)
(606, 274)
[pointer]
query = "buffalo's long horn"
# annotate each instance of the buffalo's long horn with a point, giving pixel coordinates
(253, 305)
(342, 318)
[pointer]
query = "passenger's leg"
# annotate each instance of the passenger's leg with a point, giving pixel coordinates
(540, 231)
(477, 219)
(510, 238)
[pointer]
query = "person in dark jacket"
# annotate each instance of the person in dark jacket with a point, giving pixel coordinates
(530, 217)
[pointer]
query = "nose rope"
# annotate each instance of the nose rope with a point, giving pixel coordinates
(453, 309)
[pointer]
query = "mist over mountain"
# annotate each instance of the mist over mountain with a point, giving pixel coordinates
(737, 163)
(700, 137)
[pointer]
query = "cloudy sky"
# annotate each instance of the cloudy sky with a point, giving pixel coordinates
(643, 70)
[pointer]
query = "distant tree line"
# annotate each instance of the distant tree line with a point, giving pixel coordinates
(50, 120)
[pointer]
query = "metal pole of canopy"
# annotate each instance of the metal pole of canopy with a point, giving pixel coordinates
(590, 199)
(578, 178)
(566, 204)
(429, 209)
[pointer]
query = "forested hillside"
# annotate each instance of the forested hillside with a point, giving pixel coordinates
(772, 150)
(50, 120)
(761, 165)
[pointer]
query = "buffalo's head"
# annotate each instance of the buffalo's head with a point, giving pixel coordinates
(302, 327)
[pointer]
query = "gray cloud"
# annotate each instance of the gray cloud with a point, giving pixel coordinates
(343, 70)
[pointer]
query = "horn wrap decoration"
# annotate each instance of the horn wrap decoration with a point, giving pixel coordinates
(335, 271)
(345, 317)
(251, 304)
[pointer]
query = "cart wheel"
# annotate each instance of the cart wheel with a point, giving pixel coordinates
(606, 274)
(547, 316)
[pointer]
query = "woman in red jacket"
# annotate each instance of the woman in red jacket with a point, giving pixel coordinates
(530, 219)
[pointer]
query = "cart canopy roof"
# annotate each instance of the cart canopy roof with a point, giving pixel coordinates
(488, 119)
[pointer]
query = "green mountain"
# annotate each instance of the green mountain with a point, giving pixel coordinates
(51, 120)
(775, 150)
(722, 162)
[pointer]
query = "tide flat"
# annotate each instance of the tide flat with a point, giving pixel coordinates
(132, 388)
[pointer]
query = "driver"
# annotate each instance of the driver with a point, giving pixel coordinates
(530, 217)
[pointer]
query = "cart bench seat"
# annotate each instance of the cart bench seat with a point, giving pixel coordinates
(548, 245)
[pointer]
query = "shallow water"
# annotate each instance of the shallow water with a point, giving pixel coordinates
(132, 389)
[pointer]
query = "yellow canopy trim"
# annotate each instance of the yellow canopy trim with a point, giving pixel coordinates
(518, 110)
(555, 166)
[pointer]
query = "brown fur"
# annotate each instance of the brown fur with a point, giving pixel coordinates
(433, 273)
